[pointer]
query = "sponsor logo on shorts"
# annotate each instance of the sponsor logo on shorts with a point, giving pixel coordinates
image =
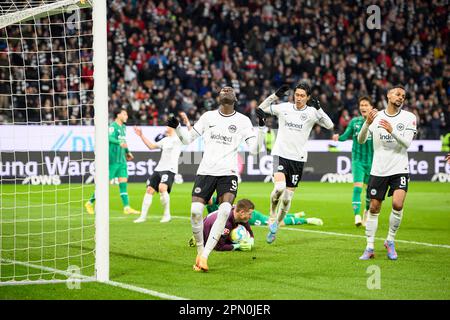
(373, 192)
(232, 128)
(400, 127)
(280, 167)
(197, 190)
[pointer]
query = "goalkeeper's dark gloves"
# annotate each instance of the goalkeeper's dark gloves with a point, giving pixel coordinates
(281, 91)
(173, 122)
(315, 102)
(261, 117)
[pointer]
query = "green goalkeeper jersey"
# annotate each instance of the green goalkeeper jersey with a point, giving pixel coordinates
(117, 154)
(360, 152)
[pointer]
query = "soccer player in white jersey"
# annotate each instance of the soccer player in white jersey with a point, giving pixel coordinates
(223, 131)
(392, 132)
(163, 176)
(295, 121)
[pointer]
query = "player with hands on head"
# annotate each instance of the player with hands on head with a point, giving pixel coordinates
(164, 173)
(392, 130)
(296, 121)
(223, 131)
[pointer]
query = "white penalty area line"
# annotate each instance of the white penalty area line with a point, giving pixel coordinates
(81, 278)
(360, 236)
(330, 233)
(348, 235)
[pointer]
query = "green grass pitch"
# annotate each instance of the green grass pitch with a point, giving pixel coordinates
(305, 262)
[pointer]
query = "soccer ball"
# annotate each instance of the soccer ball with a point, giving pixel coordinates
(239, 234)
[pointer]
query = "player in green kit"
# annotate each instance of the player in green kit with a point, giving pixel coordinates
(259, 218)
(118, 157)
(362, 155)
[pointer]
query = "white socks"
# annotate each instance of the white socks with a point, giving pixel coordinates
(277, 191)
(217, 228)
(394, 223)
(165, 201)
(197, 224)
(286, 199)
(371, 229)
(146, 203)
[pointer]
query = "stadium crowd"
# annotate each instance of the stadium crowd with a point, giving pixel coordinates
(171, 56)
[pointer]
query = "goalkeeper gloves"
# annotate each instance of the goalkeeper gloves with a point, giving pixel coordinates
(282, 91)
(173, 122)
(261, 117)
(245, 245)
(315, 103)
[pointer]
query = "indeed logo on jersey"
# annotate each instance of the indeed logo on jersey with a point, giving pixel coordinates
(386, 137)
(293, 125)
(221, 138)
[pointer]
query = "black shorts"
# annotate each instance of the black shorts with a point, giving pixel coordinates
(205, 186)
(166, 177)
(378, 186)
(293, 170)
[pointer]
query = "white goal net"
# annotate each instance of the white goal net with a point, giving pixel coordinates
(46, 94)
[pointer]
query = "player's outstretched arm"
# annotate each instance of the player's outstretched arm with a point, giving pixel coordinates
(324, 119)
(265, 105)
(147, 142)
(364, 132)
(255, 143)
(405, 139)
(186, 136)
(348, 133)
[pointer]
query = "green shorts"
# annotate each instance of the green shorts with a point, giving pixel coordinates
(258, 219)
(361, 171)
(118, 170)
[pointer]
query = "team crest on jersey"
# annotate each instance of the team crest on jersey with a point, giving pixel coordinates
(197, 190)
(400, 127)
(232, 128)
(373, 192)
(111, 129)
(303, 116)
(226, 232)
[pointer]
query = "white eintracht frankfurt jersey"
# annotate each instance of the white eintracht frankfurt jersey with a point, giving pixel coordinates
(222, 134)
(294, 128)
(171, 149)
(390, 157)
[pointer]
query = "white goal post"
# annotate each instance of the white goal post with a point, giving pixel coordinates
(46, 79)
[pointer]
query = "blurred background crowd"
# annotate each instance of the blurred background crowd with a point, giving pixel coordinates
(170, 56)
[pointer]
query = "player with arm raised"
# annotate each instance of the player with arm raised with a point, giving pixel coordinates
(118, 157)
(296, 121)
(164, 174)
(223, 131)
(362, 155)
(392, 130)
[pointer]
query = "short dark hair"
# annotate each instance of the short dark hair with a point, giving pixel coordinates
(244, 204)
(118, 110)
(365, 98)
(303, 86)
(396, 86)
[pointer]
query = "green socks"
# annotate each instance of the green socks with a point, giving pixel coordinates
(290, 219)
(367, 200)
(356, 200)
(124, 193)
(92, 198)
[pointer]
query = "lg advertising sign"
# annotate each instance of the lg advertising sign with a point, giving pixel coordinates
(59, 167)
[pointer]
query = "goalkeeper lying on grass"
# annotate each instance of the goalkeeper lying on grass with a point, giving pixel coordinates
(258, 218)
(246, 218)
(239, 214)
